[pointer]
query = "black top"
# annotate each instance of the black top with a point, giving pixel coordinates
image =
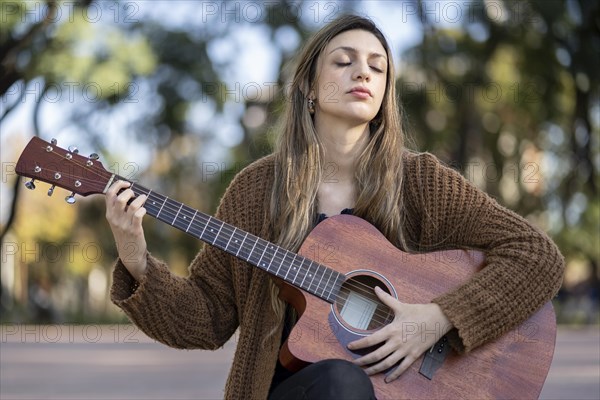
(281, 373)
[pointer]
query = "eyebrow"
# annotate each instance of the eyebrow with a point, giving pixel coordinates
(353, 50)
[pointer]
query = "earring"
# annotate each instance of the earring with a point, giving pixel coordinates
(311, 106)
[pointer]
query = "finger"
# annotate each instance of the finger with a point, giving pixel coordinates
(123, 199)
(137, 203)
(136, 219)
(375, 355)
(387, 299)
(137, 211)
(371, 340)
(387, 363)
(111, 197)
(114, 189)
(139, 214)
(400, 369)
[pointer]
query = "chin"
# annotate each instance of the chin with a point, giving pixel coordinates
(358, 117)
(355, 114)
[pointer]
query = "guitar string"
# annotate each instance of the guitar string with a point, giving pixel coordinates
(367, 291)
(102, 173)
(105, 174)
(173, 211)
(231, 232)
(207, 222)
(381, 318)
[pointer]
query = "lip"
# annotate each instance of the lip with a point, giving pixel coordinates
(361, 91)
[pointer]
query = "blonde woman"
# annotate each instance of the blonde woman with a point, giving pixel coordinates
(343, 113)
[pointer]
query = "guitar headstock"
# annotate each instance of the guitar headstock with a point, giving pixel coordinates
(46, 162)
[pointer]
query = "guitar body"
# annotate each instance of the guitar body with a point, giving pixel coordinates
(512, 366)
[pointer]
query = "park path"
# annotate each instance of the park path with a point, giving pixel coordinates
(119, 362)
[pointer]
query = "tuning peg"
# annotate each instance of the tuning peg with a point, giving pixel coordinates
(93, 157)
(51, 190)
(70, 198)
(53, 141)
(73, 149)
(30, 184)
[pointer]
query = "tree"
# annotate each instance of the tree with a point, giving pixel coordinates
(510, 96)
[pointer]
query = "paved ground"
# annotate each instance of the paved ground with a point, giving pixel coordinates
(119, 362)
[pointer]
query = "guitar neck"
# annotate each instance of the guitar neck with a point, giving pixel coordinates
(47, 162)
(294, 269)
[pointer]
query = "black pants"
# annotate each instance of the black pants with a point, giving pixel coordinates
(328, 379)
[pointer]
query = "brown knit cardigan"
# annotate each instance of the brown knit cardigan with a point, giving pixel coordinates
(443, 210)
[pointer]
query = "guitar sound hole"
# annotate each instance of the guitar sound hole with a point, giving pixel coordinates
(359, 307)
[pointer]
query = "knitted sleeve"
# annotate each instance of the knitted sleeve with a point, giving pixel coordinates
(193, 312)
(200, 310)
(524, 268)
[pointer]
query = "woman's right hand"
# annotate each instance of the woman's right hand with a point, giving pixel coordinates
(126, 224)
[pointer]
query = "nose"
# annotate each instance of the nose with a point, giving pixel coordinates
(362, 72)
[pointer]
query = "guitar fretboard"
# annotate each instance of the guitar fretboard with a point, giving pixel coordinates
(299, 271)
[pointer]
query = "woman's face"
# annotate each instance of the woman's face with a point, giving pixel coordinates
(351, 78)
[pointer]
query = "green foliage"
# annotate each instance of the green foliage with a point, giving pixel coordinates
(509, 101)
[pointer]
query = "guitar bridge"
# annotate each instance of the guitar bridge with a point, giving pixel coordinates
(434, 358)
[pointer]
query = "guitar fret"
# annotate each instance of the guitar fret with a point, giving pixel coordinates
(178, 211)
(326, 283)
(217, 235)
(252, 251)
(280, 262)
(249, 246)
(211, 231)
(335, 286)
(302, 283)
(294, 267)
(161, 207)
(225, 236)
(320, 280)
(235, 237)
(230, 237)
(311, 275)
(191, 222)
(261, 257)
(241, 244)
(150, 204)
(205, 225)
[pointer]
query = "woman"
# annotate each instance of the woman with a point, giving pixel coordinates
(342, 113)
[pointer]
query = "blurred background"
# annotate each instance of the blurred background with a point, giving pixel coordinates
(181, 95)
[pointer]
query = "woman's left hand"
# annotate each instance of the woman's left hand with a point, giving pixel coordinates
(416, 327)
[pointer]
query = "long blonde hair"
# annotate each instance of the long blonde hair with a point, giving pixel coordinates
(299, 156)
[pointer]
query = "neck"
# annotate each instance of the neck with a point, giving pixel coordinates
(342, 146)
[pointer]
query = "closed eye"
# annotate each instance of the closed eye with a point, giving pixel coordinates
(346, 64)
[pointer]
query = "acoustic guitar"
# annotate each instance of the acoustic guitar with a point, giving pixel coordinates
(331, 281)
